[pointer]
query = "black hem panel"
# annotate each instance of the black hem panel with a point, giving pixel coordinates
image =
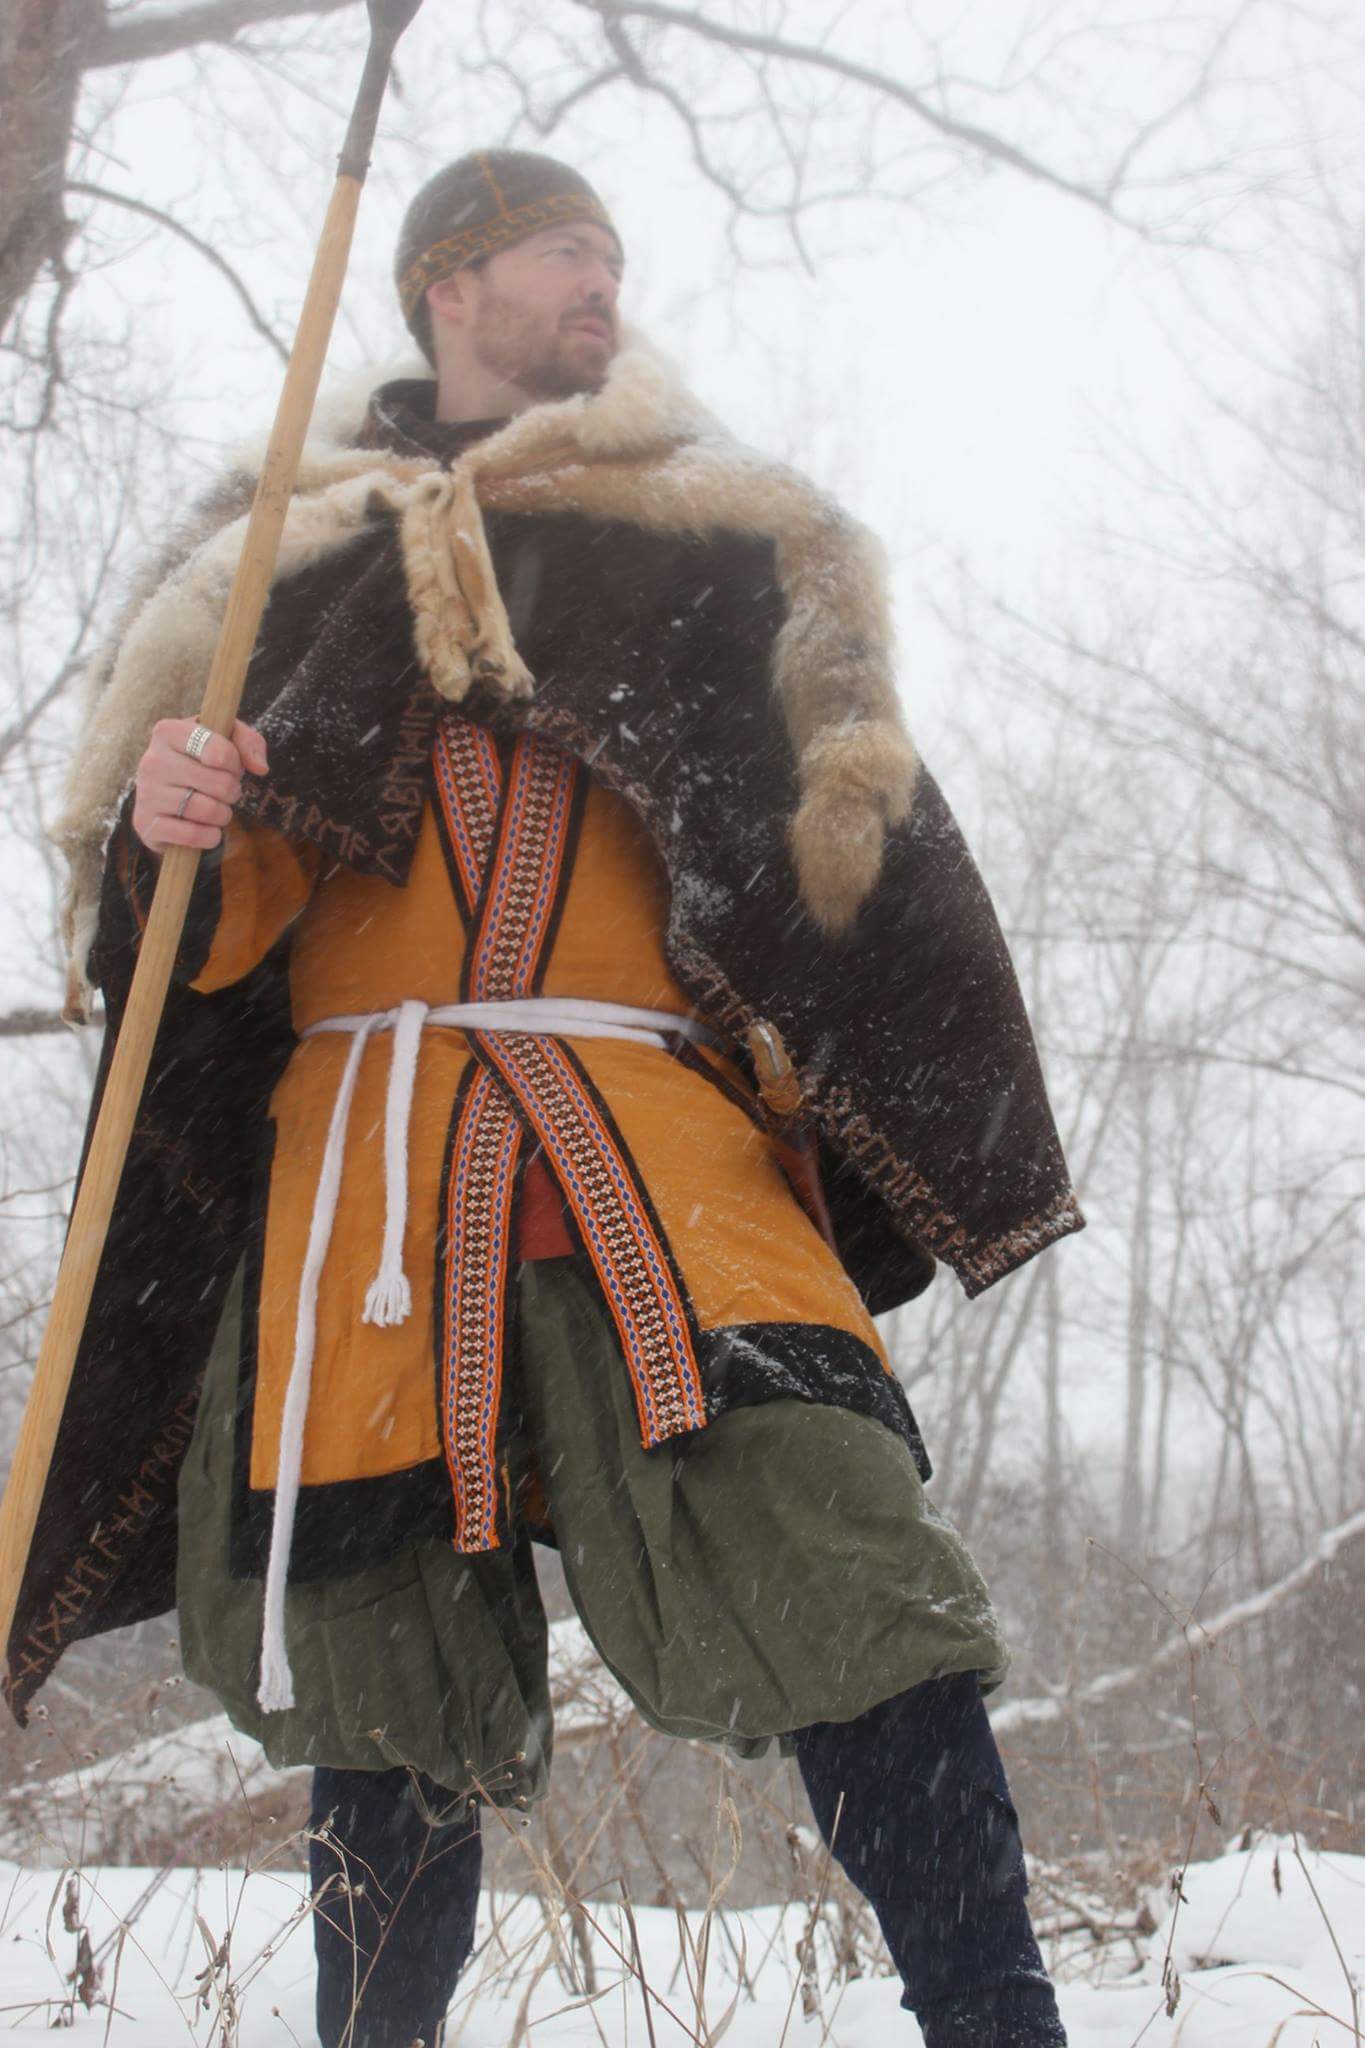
(348, 1525)
(355, 1525)
(749, 1363)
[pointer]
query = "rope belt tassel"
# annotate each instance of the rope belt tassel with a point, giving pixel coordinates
(389, 1299)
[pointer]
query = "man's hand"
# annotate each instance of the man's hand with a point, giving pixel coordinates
(162, 815)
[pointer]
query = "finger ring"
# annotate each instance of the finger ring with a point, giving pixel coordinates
(198, 740)
(184, 802)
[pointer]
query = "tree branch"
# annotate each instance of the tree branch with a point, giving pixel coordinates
(633, 66)
(205, 249)
(19, 728)
(982, 141)
(1194, 1635)
(217, 21)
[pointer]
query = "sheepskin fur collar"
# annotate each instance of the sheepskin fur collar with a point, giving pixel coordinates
(642, 451)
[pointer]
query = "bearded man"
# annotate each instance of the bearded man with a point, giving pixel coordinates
(589, 1019)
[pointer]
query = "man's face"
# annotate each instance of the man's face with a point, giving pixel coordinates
(542, 315)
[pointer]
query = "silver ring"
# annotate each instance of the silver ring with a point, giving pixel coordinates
(184, 803)
(198, 740)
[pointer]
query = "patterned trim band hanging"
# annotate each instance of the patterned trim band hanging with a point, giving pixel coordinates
(614, 1220)
(528, 869)
(468, 792)
(510, 849)
(476, 1214)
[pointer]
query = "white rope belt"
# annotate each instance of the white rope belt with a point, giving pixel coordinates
(389, 1297)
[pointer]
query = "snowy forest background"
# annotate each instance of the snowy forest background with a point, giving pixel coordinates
(1066, 299)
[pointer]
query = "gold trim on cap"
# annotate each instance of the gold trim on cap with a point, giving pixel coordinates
(443, 258)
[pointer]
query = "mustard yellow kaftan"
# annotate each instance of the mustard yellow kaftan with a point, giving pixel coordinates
(676, 1192)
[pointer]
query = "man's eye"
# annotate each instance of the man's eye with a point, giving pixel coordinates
(578, 254)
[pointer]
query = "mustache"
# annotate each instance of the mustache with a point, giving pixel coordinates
(601, 314)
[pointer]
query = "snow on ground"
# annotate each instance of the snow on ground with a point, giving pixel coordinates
(1254, 1944)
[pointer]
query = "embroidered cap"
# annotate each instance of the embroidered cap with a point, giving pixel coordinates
(484, 202)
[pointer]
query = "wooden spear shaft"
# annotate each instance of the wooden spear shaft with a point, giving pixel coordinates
(179, 864)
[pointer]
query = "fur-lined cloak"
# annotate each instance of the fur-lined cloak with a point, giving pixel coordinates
(709, 635)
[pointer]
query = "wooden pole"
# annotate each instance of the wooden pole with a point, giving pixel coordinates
(179, 864)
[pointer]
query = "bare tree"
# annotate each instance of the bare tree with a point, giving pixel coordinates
(1188, 890)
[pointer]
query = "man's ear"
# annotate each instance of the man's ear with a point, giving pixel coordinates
(450, 299)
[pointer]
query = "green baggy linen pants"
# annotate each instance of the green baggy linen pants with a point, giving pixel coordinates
(780, 1567)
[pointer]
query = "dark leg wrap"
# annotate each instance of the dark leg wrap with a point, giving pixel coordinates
(928, 1834)
(396, 1891)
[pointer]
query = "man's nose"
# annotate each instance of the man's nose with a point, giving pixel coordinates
(604, 286)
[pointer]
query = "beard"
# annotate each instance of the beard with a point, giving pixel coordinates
(534, 352)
